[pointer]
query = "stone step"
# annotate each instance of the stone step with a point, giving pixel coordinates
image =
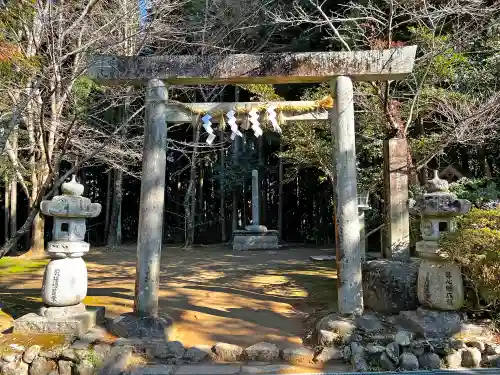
(231, 369)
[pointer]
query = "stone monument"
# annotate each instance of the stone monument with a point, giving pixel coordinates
(65, 278)
(440, 284)
(255, 236)
(363, 206)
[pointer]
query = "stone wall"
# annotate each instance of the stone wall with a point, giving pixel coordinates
(412, 340)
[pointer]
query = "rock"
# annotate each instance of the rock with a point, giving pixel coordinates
(417, 347)
(129, 325)
(329, 354)
(31, 353)
(429, 361)
(171, 349)
(101, 350)
(117, 361)
(390, 286)
(42, 366)
(440, 347)
(80, 345)
(82, 355)
(64, 367)
(392, 351)
(492, 349)
(492, 360)
(479, 330)
(84, 368)
(335, 323)
(15, 368)
(10, 357)
(471, 357)
(358, 361)
(347, 353)
(369, 324)
(69, 355)
(454, 359)
(431, 324)
(95, 334)
(384, 339)
(477, 344)
(403, 338)
(357, 348)
(386, 363)
(408, 362)
(374, 349)
(327, 338)
(198, 353)
(53, 353)
(227, 352)
(457, 344)
(297, 355)
(263, 352)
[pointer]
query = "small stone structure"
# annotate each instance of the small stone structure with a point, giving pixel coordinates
(255, 236)
(440, 284)
(65, 278)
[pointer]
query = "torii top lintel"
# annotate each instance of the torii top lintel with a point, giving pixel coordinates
(275, 68)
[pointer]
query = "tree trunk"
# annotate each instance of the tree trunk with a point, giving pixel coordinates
(38, 243)
(114, 238)
(422, 174)
(280, 196)
(13, 208)
(222, 196)
(6, 210)
(190, 199)
(13, 188)
(200, 200)
(483, 161)
(108, 206)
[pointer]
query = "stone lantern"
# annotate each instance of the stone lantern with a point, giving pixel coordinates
(440, 284)
(65, 279)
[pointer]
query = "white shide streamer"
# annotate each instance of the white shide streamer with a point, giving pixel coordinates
(271, 114)
(231, 120)
(208, 128)
(254, 119)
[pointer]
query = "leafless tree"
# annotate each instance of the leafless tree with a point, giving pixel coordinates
(56, 37)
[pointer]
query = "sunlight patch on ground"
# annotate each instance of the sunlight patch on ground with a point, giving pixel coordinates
(267, 279)
(46, 341)
(13, 265)
(202, 276)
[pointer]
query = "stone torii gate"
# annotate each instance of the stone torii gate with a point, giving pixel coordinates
(337, 68)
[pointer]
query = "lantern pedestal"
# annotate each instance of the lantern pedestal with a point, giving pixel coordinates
(65, 278)
(68, 323)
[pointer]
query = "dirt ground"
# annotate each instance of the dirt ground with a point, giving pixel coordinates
(212, 293)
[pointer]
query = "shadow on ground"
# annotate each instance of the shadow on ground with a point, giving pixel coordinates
(212, 293)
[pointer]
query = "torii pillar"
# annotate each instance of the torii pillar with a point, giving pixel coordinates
(339, 68)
